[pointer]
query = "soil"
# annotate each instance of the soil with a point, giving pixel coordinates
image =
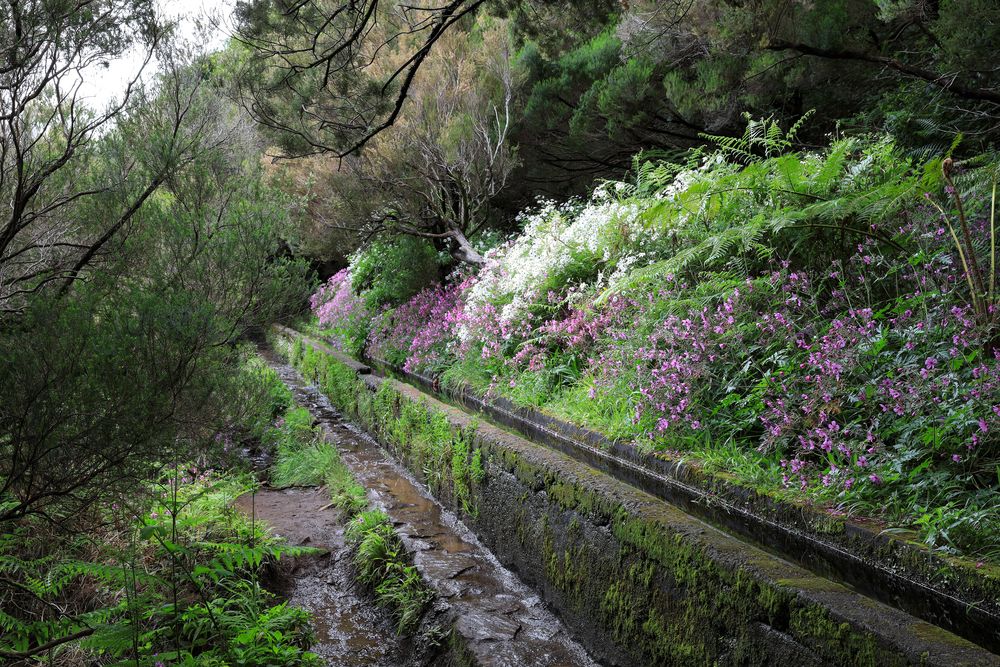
(350, 629)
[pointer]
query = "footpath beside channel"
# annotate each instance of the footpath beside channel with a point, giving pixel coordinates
(482, 612)
(636, 579)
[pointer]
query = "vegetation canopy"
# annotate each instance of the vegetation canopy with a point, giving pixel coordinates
(758, 237)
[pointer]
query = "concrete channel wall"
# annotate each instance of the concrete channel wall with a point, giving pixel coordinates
(636, 579)
(957, 594)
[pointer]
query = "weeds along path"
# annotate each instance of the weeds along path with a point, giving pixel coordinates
(350, 630)
(498, 618)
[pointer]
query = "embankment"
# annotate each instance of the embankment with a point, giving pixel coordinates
(638, 580)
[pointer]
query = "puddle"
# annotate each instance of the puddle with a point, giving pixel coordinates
(504, 622)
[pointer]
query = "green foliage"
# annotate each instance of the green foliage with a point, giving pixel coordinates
(381, 561)
(722, 280)
(345, 491)
(762, 138)
(802, 206)
(140, 353)
(307, 465)
(388, 273)
(179, 584)
(261, 393)
(663, 74)
(443, 453)
(302, 456)
(257, 631)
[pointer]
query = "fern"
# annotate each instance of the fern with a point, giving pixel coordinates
(727, 217)
(198, 554)
(763, 138)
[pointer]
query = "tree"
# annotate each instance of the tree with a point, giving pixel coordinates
(450, 155)
(47, 132)
(436, 172)
(314, 75)
(659, 75)
(139, 249)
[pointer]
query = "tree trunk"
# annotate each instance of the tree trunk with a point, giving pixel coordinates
(463, 251)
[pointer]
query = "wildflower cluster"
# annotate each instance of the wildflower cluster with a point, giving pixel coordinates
(861, 378)
(338, 308)
(421, 334)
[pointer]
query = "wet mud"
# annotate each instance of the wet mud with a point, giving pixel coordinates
(350, 629)
(499, 619)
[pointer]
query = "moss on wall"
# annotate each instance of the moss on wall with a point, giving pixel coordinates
(637, 580)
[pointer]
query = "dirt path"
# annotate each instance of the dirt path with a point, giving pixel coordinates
(350, 630)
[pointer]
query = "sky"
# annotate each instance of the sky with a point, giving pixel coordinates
(101, 85)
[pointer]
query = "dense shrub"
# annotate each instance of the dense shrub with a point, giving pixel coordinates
(811, 323)
(388, 273)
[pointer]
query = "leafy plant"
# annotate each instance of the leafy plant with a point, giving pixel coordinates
(178, 584)
(763, 138)
(388, 273)
(381, 561)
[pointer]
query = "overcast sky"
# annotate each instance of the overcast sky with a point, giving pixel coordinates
(101, 85)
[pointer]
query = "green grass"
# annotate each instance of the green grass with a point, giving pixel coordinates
(344, 490)
(381, 560)
(306, 466)
(611, 416)
(302, 456)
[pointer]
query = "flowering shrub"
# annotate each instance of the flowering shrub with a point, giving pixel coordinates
(859, 373)
(421, 334)
(576, 245)
(337, 308)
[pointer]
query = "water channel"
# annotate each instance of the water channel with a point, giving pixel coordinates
(502, 621)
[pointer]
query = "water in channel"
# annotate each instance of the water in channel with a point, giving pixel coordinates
(503, 621)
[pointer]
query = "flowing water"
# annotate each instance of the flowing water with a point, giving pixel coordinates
(503, 622)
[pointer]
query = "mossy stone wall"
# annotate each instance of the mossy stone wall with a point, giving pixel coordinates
(637, 580)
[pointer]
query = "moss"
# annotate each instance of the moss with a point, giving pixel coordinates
(522, 523)
(663, 595)
(528, 474)
(808, 583)
(635, 622)
(933, 633)
(565, 568)
(773, 603)
(837, 641)
(621, 609)
(826, 525)
(459, 654)
(563, 494)
(460, 473)
(974, 581)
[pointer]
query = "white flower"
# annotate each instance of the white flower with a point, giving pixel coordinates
(600, 232)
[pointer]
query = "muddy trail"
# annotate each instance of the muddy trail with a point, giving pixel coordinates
(350, 629)
(499, 619)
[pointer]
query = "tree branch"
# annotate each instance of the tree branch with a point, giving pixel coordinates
(948, 83)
